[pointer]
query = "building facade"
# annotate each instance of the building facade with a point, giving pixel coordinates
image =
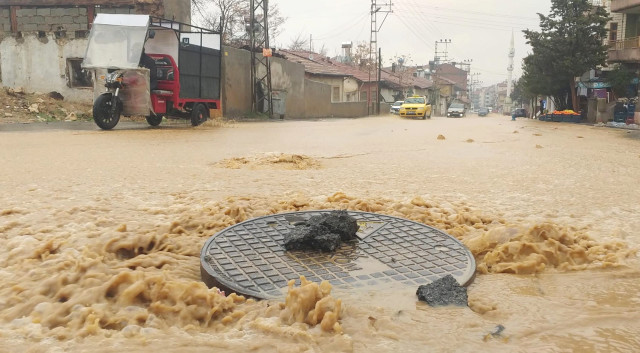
(42, 42)
(624, 32)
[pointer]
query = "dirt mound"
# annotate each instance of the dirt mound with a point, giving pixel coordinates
(18, 106)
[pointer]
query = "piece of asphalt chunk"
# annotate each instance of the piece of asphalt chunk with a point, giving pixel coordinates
(324, 232)
(338, 222)
(442, 292)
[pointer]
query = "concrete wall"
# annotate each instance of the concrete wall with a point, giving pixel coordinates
(39, 64)
(349, 109)
(385, 108)
(115, 10)
(348, 87)
(49, 19)
(177, 10)
(236, 82)
(317, 99)
(303, 98)
(5, 20)
(287, 80)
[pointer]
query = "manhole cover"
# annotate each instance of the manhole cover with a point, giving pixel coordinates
(249, 258)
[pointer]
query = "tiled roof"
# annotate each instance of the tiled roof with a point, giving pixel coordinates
(315, 64)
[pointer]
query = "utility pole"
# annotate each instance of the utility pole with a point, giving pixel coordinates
(465, 65)
(260, 65)
(379, 64)
(474, 84)
(441, 57)
(512, 53)
(377, 6)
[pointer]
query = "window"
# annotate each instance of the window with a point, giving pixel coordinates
(415, 100)
(613, 31)
(335, 94)
(76, 75)
(363, 96)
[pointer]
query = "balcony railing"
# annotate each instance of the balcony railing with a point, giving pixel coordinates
(624, 5)
(628, 43)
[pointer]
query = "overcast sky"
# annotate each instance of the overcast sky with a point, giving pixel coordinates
(480, 30)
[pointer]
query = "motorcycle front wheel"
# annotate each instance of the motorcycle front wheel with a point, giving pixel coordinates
(154, 120)
(103, 114)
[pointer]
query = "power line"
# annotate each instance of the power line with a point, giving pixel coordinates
(345, 27)
(455, 20)
(459, 11)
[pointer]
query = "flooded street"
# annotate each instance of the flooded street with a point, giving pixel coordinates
(102, 232)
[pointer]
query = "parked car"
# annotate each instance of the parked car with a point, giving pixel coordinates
(395, 107)
(416, 106)
(456, 109)
(483, 112)
(520, 113)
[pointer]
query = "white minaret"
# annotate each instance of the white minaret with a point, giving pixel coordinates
(512, 54)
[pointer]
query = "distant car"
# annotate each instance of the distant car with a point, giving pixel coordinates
(395, 107)
(483, 112)
(520, 113)
(456, 109)
(415, 106)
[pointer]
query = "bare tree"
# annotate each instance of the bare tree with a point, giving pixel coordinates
(324, 51)
(299, 43)
(230, 17)
(361, 55)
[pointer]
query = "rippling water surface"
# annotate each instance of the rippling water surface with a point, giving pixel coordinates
(101, 234)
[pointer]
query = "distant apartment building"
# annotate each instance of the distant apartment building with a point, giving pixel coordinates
(624, 32)
(491, 97)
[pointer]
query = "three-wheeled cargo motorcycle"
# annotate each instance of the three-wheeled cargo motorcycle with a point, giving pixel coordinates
(152, 67)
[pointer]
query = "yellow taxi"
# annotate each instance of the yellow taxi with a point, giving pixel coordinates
(415, 106)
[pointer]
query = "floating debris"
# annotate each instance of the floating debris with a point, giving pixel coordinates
(496, 333)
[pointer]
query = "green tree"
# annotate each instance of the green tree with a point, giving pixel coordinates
(570, 42)
(620, 79)
(519, 95)
(542, 77)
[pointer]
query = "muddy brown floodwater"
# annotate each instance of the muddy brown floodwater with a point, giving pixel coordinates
(101, 234)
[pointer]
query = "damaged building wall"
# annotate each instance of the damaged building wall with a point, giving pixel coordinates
(41, 64)
(42, 42)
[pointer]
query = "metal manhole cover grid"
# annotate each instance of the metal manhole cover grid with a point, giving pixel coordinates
(249, 257)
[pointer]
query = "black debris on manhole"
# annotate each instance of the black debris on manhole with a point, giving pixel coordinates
(442, 292)
(323, 232)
